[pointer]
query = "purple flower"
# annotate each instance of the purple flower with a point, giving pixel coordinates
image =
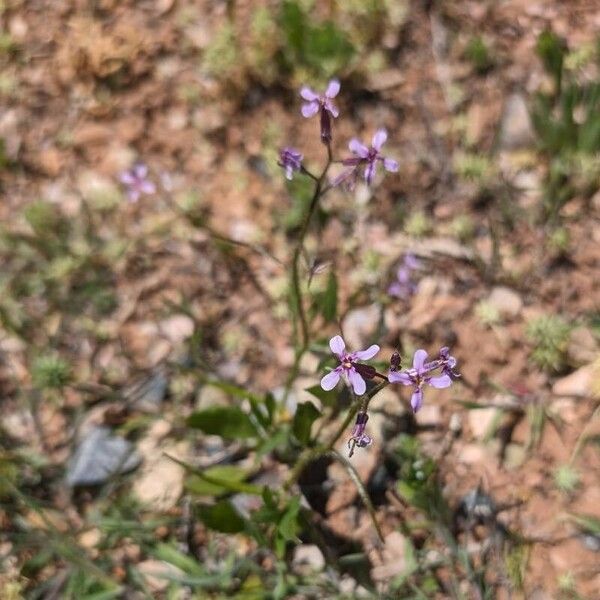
(137, 183)
(321, 103)
(418, 376)
(291, 160)
(354, 372)
(447, 363)
(404, 285)
(369, 157)
(358, 437)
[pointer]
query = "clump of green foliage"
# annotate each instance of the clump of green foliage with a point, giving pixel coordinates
(567, 121)
(50, 371)
(566, 478)
(478, 53)
(549, 335)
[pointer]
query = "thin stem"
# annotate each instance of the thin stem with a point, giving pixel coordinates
(318, 192)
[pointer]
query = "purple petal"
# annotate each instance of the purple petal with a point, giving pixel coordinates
(310, 109)
(140, 171)
(370, 352)
(332, 108)
(127, 178)
(358, 148)
(397, 290)
(133, 195)
(390, 165)
(443, 381)
(364, 440)
(379, 138)
(342, 177)
(358, 383)
(416, 400)
(147, 187)
(399, 377)
(403, 275)
(333, 89)
(308, 94)
(337, 345)
(330, 380)
(419, 360)
(411, 262)
(370, 172)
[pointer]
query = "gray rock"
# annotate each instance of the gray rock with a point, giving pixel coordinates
(147, 394)
(516, 130)
(99, 456)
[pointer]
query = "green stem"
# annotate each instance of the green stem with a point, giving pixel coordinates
(318, 192)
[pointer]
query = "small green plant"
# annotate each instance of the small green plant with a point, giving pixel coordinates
(478, 53)
(487, 313)
(567, 122)
(463, 228)
(559, 241)
(549, 335)
(417, 224)
(567, 478)
(473, 167)
(221, 56)
(50, 371)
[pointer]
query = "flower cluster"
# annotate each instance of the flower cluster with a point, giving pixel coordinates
(405, 285)
(421, 374)
(137, 182)
(358, 437)
(365, 159)
(291, 160)
(355, 373)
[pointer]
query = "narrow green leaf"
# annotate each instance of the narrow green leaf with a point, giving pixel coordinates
(222, 517)
(306, 414)
(229, 422)
(205, 483)
(288, 525)
(329, 299)
(174, 557)
(327, 398)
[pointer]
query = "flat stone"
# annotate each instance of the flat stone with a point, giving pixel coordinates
(99, 456)
(515, 456)
(177, 328)
(309, 555)
(506, 301)
(578, 383)
(582, 347)
(516, 130)
(480, 421)
(360, 325)
(161, 481)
